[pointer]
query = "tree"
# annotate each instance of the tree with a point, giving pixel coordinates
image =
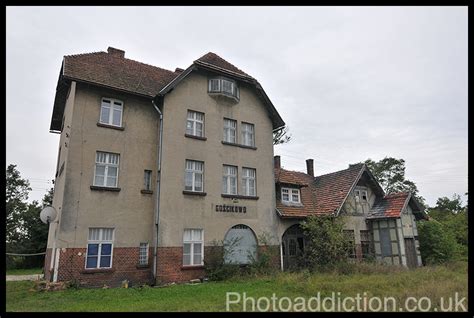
(16, 195)
(326, 243)
(436, 244)
(390, 173)
(453, 205)
(281, 136)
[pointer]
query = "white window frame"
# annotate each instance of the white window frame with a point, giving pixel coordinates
(229, 126)
(291, 192)
(227, 179)
(194, 120)
(112, 106)
(248, 135)
(234, 89)
(194, 171)
(192, 242)
(147, 176)
(100, 241)
(246, 178)
(143, 259)
(107, 164)
(359, 194)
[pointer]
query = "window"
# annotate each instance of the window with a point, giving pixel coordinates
(225, 86)
(290, 195)
(248, 181)
(143, 254)
(147, 180)
(99, 248)
(385, 242)
(349, 234)
(193, 180)
(366, 244)
(230, 130)
(248, 135)
(193, 247)
(360, 195)
(106, 169)
(111, 112)
(195, 124)
(229, 180)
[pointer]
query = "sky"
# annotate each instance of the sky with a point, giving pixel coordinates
(351, 83)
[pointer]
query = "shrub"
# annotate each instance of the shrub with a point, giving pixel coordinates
(267, 257)
(436, 244)
(216, 268)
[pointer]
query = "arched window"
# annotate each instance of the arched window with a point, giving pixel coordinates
(240, 245)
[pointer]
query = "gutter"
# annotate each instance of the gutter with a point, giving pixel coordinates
(158, 179)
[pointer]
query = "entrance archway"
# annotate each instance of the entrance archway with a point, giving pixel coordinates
(241, 245)
(293, 242)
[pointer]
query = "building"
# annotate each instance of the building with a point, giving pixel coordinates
(155, 165)
(380, 226)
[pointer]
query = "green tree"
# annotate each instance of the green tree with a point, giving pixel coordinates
(453, 205)
(281, 136)
(326, 243)
(436, 244)
(16, 195)
(390, 173)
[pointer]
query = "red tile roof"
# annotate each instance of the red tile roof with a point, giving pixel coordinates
(213, 59)
(391, 206)
(323, 195)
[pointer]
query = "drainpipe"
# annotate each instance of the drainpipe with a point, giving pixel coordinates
(158, 178)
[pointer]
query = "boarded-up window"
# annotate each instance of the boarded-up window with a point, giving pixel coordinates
(385, 242)
(349, 234)
(366, 243)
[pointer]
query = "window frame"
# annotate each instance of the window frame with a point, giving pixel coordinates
(244, 132)
(193, 171)
(358, 195)
(111, 111)
(192, 243)
(290, 195)
(148, 173)
(228, 178)
(99, 243)
(146, 261)
(245, 181)
(230, 128)
(234, 88)
(194, 120)
(106, 169)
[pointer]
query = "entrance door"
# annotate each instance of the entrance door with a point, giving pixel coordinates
(410, 253)
(292, 247)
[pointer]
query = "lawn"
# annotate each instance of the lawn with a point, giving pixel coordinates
(27, 271)
(432, 282)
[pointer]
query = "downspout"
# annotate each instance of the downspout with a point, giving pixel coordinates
(158, 179)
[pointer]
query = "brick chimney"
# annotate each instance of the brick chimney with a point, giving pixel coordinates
(178, 70)
(276, 162)
(310, 167)
(115, 52)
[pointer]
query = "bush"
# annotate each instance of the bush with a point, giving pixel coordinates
(436, 244)
(326, 245)
(216, 268)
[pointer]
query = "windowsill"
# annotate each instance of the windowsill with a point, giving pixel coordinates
(97, 270)
(292, 204)
(110, 126)
(236, 196)
(139, 266)
(227, 95)
(195, 137)
(187, 267)
(238, 145)
(97, 188)
(146, 191)
(194, 193)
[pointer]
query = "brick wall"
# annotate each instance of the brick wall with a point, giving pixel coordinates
(124, 267)
(170, 266)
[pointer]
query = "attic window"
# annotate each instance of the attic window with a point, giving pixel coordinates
(290, 195)
(361, 195)
(224, 86)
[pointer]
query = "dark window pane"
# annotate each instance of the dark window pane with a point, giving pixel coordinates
(386, 244)
(91, 262)
(92, 249)
(106, 249)
(105, 261)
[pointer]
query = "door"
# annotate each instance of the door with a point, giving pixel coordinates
(410, 253)
(292, 247)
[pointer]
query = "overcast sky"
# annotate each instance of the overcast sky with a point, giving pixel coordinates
(351, 82)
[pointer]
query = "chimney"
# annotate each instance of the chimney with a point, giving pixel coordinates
(178, 70)
(115, 52)
(276, 162)
(309, 167)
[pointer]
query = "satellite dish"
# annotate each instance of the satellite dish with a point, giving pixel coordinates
(48, 214)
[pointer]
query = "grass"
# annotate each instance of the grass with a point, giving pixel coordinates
(432, 282)
(27, 271)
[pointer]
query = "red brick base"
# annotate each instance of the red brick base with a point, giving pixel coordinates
(170, 266)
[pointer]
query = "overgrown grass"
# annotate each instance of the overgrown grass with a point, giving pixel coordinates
(432, 282)
(24, 271)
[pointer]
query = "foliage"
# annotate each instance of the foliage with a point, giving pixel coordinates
(267, 256)
(436, 244)
(453, 205)
(326, 243)
(215, 266)
(390, 173)
(281, 136)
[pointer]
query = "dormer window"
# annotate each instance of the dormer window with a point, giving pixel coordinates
(361, 196)
(290, 195)
(224, 86)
